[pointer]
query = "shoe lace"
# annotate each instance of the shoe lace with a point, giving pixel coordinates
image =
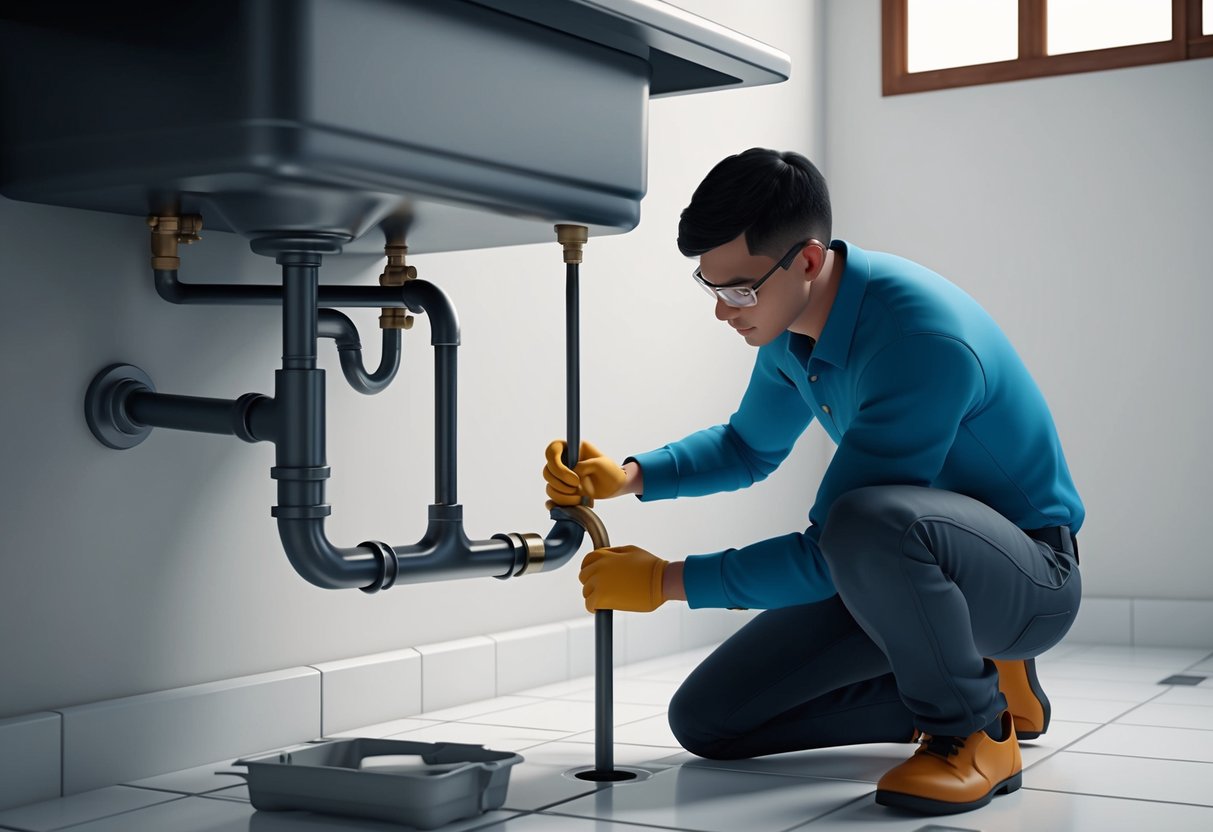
(943, 746)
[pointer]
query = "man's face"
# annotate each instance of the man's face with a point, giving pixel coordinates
(781, 298)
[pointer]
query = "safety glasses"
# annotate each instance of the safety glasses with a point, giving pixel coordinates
(742, 296)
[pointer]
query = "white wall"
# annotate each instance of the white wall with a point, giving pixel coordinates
(124, 572)
(1077, 210)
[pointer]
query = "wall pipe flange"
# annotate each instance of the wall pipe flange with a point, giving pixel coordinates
(105, 406)
(319, 242)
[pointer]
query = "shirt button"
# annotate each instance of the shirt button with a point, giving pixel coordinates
(812, 378)
(825, 408)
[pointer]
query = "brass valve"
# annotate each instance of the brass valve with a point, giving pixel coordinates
(572, 237)
(167, 233)
(395, 273)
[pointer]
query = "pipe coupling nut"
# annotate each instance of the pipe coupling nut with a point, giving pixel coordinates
(389, 565)
(535, 553)
(572, 237)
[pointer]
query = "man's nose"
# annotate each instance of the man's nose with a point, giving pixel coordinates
(724, 312)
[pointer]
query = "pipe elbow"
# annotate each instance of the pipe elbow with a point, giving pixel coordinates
(423, 296)
(562, 543)
(168, 286)
(337, 325)
(322, 564)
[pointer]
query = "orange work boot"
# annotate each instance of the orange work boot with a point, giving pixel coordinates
(955, 774)
(1025, 699)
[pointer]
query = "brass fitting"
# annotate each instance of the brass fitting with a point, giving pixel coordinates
(572, 237)
(535, 553)
(167, 233)
(585, 517)
(395, 273)
(532, 544)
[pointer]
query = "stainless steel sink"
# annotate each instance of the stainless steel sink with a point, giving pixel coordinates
(460, 123)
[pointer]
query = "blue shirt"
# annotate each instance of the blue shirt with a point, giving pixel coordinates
(915, 383)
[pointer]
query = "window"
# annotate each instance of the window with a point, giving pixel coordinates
(936, 44)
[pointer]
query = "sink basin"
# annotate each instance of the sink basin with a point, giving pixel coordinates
(457, 124)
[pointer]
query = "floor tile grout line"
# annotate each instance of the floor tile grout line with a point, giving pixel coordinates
(1120, 797)
(570, 732)
(1132, 757)
(1136, 706)
(1089, 733)
(624, 823)
(119, 814)
(826, 814)
(181, 793)
(1138, 757)
(547, 806)
(492, 823)
(1207, 657)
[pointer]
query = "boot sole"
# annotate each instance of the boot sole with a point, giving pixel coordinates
(1038, 692)
(927, 806)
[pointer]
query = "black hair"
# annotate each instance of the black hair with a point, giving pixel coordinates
(777, 198)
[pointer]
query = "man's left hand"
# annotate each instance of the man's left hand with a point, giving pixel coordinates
(622, 578)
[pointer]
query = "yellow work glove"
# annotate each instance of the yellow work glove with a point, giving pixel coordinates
(595, 476)
(622, 578)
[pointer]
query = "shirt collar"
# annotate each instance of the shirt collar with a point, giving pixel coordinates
(834, 346)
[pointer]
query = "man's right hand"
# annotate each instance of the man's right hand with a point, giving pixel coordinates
(595, 476)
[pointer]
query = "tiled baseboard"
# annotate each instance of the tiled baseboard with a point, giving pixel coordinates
(1144, 622)
(86, 747)
(90, 746)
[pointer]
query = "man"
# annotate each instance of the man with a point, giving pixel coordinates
(940, 555)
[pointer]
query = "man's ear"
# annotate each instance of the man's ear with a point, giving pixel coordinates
(814, 254)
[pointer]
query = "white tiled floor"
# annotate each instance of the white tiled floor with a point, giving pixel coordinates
(1122, 753)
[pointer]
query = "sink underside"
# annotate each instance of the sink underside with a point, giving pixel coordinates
(457, 124)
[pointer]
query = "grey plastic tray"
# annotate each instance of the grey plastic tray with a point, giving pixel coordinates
(452, 781)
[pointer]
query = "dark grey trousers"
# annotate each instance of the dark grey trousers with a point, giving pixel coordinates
(931, 584)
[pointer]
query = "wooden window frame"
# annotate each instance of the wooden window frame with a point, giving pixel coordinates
(1186, 42)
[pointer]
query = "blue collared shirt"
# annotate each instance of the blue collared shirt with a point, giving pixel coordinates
(915, 383)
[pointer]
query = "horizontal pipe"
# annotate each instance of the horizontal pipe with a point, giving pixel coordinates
(443, 553)
(417, 295)
(171, 289)
(225, 417)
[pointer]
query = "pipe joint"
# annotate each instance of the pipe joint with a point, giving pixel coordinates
(167, 233)
(396, 273)
(389, 565)
(242, 416)
(423, 296)
(528, 551)
(573, 238)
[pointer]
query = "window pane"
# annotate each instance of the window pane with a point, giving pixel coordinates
(1080, 25)
(1207, 17)
(946, 33)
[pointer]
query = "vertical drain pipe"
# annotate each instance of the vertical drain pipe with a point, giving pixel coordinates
(572, 238)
